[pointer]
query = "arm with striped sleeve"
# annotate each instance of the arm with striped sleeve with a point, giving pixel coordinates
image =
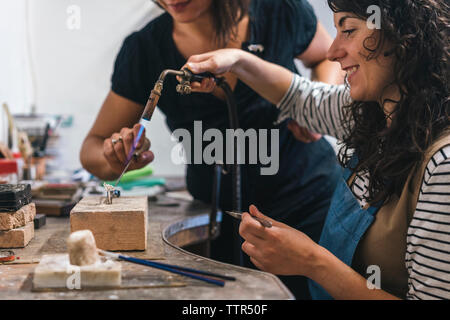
(316, 106)
(428, 241)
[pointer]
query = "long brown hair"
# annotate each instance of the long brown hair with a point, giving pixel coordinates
(226, 15)
(419, 31)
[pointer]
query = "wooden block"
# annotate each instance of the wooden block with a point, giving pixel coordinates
(13, 220)
(121, 226)
(55, 271)
(17, 238)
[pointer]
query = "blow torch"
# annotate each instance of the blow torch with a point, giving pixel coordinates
(184, 87)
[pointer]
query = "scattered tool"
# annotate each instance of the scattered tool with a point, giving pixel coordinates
(208, 277)
(7, 256)
(238, 215)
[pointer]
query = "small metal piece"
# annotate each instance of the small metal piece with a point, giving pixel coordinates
(111, 193)
(238, 215)
(184, 88)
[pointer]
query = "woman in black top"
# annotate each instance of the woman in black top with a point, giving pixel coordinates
(281, 30)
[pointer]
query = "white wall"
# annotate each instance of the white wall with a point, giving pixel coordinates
(73, 67)
(14, 80)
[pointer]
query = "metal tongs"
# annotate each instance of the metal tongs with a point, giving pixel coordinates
(238, 215)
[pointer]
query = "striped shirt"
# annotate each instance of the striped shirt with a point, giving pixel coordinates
(318, 107)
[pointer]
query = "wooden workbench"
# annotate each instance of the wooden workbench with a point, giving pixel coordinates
(171, 227)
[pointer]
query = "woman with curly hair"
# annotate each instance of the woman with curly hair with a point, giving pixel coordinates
(389, 220)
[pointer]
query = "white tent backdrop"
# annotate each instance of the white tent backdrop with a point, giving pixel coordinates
(73, 46)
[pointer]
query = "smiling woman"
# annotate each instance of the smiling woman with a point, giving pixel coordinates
(409, 79)
(391, 209)
(354, 48)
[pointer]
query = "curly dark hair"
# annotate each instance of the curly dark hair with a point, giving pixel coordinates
(418, 34)
(226, 16)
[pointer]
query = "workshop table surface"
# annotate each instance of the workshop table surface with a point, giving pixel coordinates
(183, 223)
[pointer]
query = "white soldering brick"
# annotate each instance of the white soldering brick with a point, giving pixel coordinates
(55, 271)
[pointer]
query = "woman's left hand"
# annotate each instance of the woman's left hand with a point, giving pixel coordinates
(217, 62)
(280, 250)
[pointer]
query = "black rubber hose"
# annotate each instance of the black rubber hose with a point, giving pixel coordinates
(215, 203)
(236, 169)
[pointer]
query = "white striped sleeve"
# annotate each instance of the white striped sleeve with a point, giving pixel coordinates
(315, 105)
(428, 240)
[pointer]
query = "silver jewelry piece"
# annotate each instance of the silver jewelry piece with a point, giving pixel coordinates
(111, 193)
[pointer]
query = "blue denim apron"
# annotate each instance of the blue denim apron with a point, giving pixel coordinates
(344, 227)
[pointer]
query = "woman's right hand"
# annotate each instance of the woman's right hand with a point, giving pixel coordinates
(117, 148)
